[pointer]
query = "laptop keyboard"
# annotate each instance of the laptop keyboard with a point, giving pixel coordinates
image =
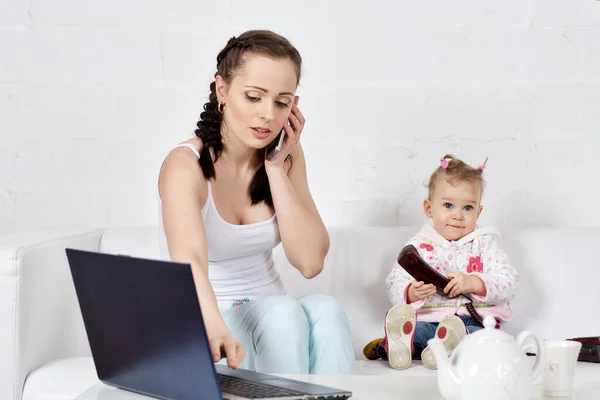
(252, 390)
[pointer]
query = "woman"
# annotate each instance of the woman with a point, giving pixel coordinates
(225, 206)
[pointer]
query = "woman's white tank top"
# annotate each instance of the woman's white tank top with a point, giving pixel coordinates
(240, 259)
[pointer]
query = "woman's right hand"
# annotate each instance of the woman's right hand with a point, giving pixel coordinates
(419, 291)
(223, 345)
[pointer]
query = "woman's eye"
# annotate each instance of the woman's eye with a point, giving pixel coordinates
(253, 99)
(281, 104)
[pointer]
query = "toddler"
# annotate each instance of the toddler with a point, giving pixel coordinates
(470, 256)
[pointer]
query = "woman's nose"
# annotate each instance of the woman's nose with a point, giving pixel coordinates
(267, 112)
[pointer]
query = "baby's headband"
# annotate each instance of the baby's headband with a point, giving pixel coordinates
(444, 163)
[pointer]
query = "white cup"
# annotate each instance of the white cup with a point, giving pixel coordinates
(557, 374)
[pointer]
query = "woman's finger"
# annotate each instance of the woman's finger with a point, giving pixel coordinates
(295, 123)
(290, 140)
(298, 114)
(241, 352)
(215, 349)
(230, 353)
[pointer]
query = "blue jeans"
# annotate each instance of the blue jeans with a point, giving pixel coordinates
(426, 331)
(295, 336)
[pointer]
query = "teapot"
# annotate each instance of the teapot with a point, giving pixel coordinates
(488, 364)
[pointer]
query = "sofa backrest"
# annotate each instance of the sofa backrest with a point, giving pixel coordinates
(557, 296)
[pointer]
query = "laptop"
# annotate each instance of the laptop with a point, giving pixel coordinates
(146, 333)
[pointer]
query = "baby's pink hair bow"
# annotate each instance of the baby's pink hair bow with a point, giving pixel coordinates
(481, 167)
(444, 163)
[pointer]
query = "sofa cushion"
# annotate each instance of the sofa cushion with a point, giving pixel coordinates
(559, 275)
(558, 269)
(61, 379)
(64, 379)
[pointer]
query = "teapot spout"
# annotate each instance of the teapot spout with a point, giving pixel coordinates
(448, 381)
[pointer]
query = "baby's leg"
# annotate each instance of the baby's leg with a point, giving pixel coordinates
(473, 328)
(424, 332)
(471, 324)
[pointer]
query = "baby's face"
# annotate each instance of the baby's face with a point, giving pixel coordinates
(454, 209)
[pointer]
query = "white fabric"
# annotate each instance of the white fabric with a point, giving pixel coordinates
(244, 271)
(413, 383)
(62, 379)
(40, 320)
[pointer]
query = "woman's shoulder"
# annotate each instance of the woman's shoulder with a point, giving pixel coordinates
(181, 166)
(185, 151)
(183, 154)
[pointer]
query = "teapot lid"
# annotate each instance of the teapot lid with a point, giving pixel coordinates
(489, 322)
(489, 330)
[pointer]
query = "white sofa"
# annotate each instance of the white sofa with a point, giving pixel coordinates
(44, 349)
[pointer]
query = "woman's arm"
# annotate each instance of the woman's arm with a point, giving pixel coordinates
(303, 234)
(183, 191)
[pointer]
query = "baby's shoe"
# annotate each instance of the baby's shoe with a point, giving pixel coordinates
(370, 350)
(400, 322)
(450, 331)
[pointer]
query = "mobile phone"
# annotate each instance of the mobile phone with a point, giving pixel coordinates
(273, 152)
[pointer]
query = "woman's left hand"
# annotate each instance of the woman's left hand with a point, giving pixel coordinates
(292, 136)
(459, 283)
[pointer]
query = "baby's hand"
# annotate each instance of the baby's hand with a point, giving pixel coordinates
(459, 283)
(419, 291)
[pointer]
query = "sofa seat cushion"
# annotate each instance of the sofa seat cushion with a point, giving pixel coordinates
(66, 378)
(62, 379)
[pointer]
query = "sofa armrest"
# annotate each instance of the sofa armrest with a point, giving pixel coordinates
(39, 312)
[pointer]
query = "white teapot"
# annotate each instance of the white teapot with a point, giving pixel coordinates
(488, 364)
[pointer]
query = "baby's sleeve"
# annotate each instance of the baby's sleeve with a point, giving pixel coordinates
(398, 281)
(496, 272)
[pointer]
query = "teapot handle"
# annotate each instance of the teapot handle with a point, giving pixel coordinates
(541, 349)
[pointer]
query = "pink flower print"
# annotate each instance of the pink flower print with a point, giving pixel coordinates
(426, 246)
(437, 267)
(430, 258)
(475, 265)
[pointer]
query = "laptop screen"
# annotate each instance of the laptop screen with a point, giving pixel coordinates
(144, 325)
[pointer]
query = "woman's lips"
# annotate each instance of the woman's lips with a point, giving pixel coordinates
(261, 133)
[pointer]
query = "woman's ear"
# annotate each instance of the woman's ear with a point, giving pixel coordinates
(220, 88)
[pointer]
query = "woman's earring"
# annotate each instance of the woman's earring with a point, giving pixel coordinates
(220, 107)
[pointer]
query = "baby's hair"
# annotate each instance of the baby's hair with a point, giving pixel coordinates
(454, 170)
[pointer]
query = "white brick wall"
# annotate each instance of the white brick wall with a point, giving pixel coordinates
(94, 93)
